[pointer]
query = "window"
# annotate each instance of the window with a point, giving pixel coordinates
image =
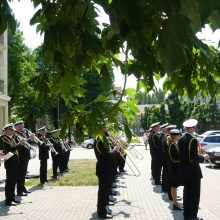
(214, 139)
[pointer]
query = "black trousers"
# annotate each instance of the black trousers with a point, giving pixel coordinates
(156, 166)
(164, 174)
(191, 197)
(62, 162)
(43, 170)
(66, 159)
(22, 171)
(56, 160)
(103, 193)
(121, 162)
(11, 179)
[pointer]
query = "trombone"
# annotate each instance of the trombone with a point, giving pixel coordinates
(122, 152)
(135, 153)
(128, 148)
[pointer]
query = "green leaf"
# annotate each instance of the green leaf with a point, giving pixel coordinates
(127, 132)
(130, 92)
(100, 98)
(190, 9)
(132, 105)
(175, 43)
(214, 19)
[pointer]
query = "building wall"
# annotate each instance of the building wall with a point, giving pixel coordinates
(4, 98)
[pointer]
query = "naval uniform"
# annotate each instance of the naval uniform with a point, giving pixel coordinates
(163, 147)
(56, 157)
(7, 144)
(105, 168)
(190, 174)
(24, 157)
(156, 156)
(43, 157)
(173, 164)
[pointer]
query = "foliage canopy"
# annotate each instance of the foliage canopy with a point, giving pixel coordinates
(157, 37)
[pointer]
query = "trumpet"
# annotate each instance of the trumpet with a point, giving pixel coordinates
(36, 139)
(52, 147)
(66, 145)
(27, 145)
(33, 152)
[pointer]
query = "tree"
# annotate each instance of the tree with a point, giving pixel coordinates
(176, 114)
(21, 70)
(155, 98)
(156, 38)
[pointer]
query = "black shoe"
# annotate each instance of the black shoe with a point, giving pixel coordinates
(175, 207)
(26, 191)
(21, 194)
(197, 218)
(105, 216)
(110, 203)
(158, 183)
(111, 200)
(114, 193)
(16, 201)
(178, 198)
(55, 177)
(8, 203)
(122, 171)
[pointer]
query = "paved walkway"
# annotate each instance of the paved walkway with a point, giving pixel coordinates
(139, 198)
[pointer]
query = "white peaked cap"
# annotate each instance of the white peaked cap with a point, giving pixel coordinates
(190, 123)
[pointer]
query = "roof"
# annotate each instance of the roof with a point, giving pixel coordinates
(142, 107)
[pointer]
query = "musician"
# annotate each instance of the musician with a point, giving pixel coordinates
(173, 164)
(57, 154)
(67, 144)
(24, 157)
(156, 154)
(104, 171)
(166, 187)
(10, 149)
(43, 154)
(162, 137)
(190, 173)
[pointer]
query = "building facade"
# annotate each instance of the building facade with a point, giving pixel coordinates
(4, 98)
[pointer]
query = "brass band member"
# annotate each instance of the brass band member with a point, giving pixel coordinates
(43, 154)
(190, 171)
(173, 164)
(162, 138)
(104, 171)
(67, 144)
(56, 155)
(156, 154)
(10, 149)
(165, 173)
(24, 157)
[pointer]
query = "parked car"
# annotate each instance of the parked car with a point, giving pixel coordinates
(209, 141)
(210, 132)
(88, 143)
(214, 154)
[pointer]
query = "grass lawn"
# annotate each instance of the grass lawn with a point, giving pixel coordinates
(82, 173)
